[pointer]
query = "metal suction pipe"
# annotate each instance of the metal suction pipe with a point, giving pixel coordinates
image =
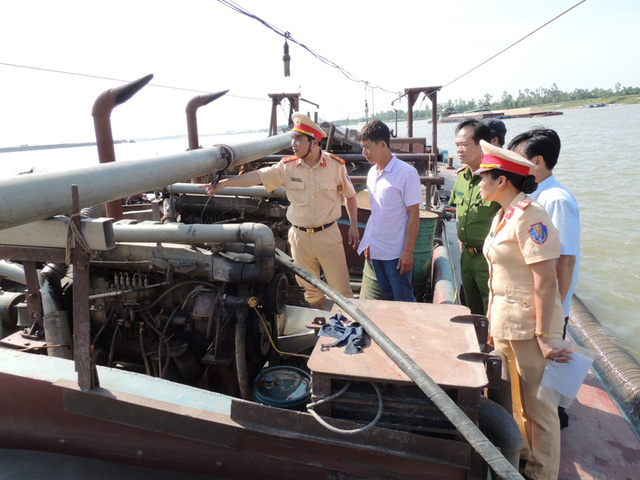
(102, 108)
(26, 198)
(57, 330)
(257, 233)
(192, 121)
(257, 191)
(13, 272)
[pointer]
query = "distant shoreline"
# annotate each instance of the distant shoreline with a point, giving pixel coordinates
(48, 147)
(22, 148)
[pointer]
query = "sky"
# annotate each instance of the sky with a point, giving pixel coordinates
(199, 46)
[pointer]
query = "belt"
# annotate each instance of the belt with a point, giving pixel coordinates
(475, 251)
(315, 229)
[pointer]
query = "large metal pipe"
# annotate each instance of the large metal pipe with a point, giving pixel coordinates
(26, 198)
(102, 108)
(13, 272)
(57, 330)
(256, 233)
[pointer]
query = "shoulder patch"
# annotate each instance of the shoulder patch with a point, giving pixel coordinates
(522, 204)
(288, 159)
(336, 158)
(538, 233)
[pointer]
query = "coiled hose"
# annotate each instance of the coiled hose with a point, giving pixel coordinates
(432, 390)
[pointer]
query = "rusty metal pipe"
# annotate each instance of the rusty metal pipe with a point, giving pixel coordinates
(192, 121)
(102, 108)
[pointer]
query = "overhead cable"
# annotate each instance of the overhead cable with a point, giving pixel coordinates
(234, 6)
(99, 77)
(513, 44)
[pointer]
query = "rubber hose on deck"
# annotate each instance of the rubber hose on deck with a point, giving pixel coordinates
(618, 370)
(500, 465)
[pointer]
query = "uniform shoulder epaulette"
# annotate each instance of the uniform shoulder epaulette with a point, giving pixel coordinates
(522, 204)
(461, 169)
(336, 158)
(288, 159)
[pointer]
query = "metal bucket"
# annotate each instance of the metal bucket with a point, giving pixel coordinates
(283, 387)
(422, 251)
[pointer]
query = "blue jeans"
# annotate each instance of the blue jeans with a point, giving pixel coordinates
(393, 285)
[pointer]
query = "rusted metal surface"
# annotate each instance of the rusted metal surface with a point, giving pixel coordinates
(85, 364)
(424, 331)
(412, 95)
(102, 108)
(276, 99)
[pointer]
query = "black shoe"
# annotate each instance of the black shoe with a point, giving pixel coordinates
(564, 418)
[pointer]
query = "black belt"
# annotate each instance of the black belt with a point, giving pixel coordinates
(315, 229)
(475, 251)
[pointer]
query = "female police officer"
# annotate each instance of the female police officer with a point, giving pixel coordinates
(524, 311)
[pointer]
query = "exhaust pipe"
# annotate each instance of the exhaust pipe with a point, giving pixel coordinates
(192, 121)
(101, 113)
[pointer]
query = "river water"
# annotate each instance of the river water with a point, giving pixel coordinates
(598, 164)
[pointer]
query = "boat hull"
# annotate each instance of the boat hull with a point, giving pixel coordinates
(186, 430)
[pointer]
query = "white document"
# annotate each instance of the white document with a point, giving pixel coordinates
(561, 381)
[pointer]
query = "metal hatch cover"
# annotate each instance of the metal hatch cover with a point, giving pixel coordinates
(423, 331)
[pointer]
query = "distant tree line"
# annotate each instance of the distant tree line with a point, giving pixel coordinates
(525, 98)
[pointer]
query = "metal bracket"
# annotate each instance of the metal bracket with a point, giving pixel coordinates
(492, 364)
(481, 324)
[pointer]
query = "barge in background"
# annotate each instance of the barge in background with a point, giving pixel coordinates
(140, 333)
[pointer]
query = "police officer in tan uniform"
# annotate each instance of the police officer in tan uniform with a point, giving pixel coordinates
(315, 182)
(525, 312)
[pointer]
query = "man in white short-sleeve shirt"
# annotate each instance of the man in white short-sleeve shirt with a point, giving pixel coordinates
(395, 195)
(542, 147)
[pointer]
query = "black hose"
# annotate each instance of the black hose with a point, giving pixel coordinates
(432, 390)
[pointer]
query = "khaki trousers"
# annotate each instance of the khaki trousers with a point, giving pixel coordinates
(321, 250)
(538, 421)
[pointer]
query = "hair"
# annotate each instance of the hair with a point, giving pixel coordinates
(539, 141)
(377, 132)
(480, 130)
(524, 183)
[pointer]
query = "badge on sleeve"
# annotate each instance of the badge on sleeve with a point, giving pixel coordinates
(538, 233)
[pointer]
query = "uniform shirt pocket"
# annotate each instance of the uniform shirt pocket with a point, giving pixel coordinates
(520, 308)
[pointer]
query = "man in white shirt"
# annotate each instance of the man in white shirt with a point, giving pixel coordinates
(395, 195)
(542, 147)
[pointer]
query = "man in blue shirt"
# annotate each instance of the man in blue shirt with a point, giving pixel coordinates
(542, 147)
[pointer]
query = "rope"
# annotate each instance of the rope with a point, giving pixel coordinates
(74, 233)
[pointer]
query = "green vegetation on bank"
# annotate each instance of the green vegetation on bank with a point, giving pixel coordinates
(548, 98)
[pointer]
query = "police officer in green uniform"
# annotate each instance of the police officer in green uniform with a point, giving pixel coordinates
(473, 215)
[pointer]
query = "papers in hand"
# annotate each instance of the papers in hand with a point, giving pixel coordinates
(561, 381)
